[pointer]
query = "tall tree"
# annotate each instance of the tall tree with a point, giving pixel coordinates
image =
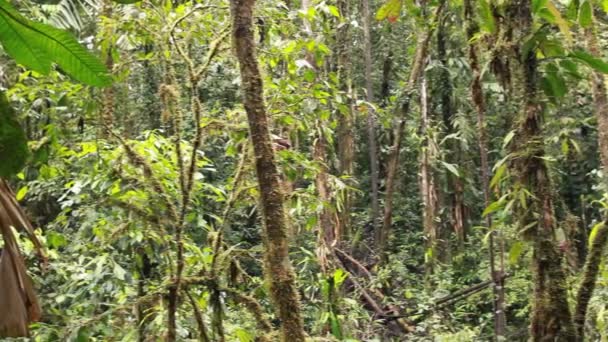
(371, 115)
(277, 264)
(346, 146)
(551, 318)
(479, 104)
(598, 245)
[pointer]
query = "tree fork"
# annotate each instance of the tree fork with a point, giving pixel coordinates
(278, 267)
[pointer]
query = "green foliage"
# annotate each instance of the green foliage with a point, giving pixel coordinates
(591, 61)
(38, 46)
(13, 143)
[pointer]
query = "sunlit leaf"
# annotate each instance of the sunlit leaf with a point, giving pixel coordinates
(390, 10)
(21, 193)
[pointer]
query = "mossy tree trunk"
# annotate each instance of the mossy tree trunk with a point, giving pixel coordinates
(550, 317)
(278, 267)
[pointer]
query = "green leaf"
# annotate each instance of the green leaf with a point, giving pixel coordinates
(498, 175)
(495, 206)
(515, 252)
(21, 193)
(537, 5)
(126, 2)
(452, 168)
(390, 10)
(585, 14)
(37, 46)
(56, 240)
(591, 61)
(13, 143)
(486, 17)
(605, 5)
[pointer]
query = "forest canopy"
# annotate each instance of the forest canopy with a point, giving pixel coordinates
(313, 170)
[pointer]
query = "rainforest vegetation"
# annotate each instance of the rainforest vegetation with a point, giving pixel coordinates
(303, 170)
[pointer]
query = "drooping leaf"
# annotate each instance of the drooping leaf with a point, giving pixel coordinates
(390, 10)
(585, 14)
(13, 143)
(37, 46)
(591, 61)
(452, 168)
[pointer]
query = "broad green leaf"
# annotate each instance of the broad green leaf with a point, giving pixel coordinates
(13, 143)
(605, 5)
(585, 14)
(17, 42)
(390, 10)
(37, 46)
(592, 61)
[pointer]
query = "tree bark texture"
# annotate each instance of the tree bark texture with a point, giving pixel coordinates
(428, 189)
(598, 245)
(346, 143)
(550, 317)
(278, 267)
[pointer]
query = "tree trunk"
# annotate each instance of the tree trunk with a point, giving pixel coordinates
(402, 112)
(371, 116)
(346, 148)
(598, 245)
(551, 318)
(428, 190)
(480, 107)
(327, 234)
(278, 267)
